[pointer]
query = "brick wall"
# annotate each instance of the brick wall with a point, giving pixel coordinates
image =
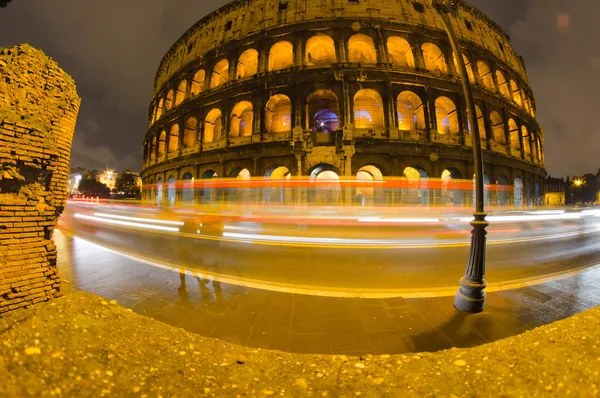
(38, 111)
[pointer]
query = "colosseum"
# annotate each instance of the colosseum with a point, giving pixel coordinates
(366, 88)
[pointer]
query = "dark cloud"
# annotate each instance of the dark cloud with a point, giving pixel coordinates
(112, 48)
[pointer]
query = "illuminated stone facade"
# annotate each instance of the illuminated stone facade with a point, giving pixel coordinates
(38, 111)
(358, 88)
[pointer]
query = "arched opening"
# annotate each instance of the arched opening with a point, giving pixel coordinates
(368, 110)
(480, 124)
(534, 148)
(169, 100)
(526, 142)
(220, 74)
(247, 64)
(516, 92)
(515, 142)
(367, 194)
(159, 109)
(518, 193)
(503, 190)
(434, 58)
(502, 84)
(526, 103)
(468, 65)
(159, 191)
(277, 193)
(162, 143)
(181, 91)
(327, 189)
(278, 114)
(323, 111)
(451, 196)
(171, 190)
(278, 173)
(213, 126)
(153, 115)
(361, 49)
(209, 174)
(498, 128)
(485, 73)
(486, 189)
(208, 194)
(189, 133)
(281, 56)
(198, 82)
(242, 116)
(447, 116)
(240, 173)
(174, 138)
(417, 192)
(411, 113)
(153, 149)
(320, 51)
(400, 52)
(187, 191)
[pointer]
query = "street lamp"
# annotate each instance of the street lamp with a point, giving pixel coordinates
(470, 297)
(578, 183)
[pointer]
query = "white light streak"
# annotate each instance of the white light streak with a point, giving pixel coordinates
(126, 223)
(400, 220)
(150, 220)
(541, 217)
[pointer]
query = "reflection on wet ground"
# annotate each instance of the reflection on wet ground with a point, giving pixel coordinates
(312, 324)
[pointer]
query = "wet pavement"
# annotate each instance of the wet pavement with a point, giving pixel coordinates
(313, 324)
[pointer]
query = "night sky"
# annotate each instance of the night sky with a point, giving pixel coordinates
(112, 49)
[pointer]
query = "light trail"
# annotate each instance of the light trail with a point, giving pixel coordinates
(126, 223)
(399, 220)
(150, 220)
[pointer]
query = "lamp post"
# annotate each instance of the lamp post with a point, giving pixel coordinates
(470, 297)
(578, 183)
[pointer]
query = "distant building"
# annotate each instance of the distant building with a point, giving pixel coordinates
(556, 192)
(107, 177)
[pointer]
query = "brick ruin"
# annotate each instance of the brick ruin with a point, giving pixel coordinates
(38, 112)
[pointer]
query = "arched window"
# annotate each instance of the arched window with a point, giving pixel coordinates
(241, 174)
(153, 149)
(323, 111)
(198, 82)
(498, 128)
(189, 134)
(361, 49)
(220, 74)
(368, 110)
(502, 84)
(480, 123)
(247, 64)
(281, 56)
(162, 143)
(181, 91)
(278, 114)
(187, 191)
(171, 190)
(411, 114)
(159, 109)
(485, 74)
(514, 87)
(174, 138)
(400, 52)
(526, 142)
(515, 143)
(279, 173)
(535, 148)
(169, 101)
(447, 116)
(153, 115)
(213, 126)
(242, 116)
(468, 65)
(159, 191)
(320, 51)
(434, 58)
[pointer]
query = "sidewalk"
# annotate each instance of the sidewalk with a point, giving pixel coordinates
(82, 345)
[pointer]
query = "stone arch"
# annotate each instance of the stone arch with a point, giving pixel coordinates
(516, 93)
(198, 83)
(411, 113)
(497, 128)
(171, 190)
(451, 196)
(368, 110)
(415, 173)
(480, 123)
(281, 56)
(174, 138)
(419, 193)
(369, 173)
(169, 100)
(518, 192)
(526, 143)
(159, 190)
(153, 149)
(320, 50)
(513, 129)
(278, 173)
(324, 171)
(187, 189)
(447, 116)
(502, 84)
(181, 92)
(153, 115)
(220, 74)
(159, 109)
(213, 126)
(451, 173)
(485, 73)
(240, 173)
(361, 49)
(242, 116)
(434, 58)
(400, 52)
(502, 190)
(278, 114)
(323, 111)
(468, 65)
(189, 133)
(162, 143)
(209, 174)
(247, 65)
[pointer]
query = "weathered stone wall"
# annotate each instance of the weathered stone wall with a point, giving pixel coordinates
(38, 111)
